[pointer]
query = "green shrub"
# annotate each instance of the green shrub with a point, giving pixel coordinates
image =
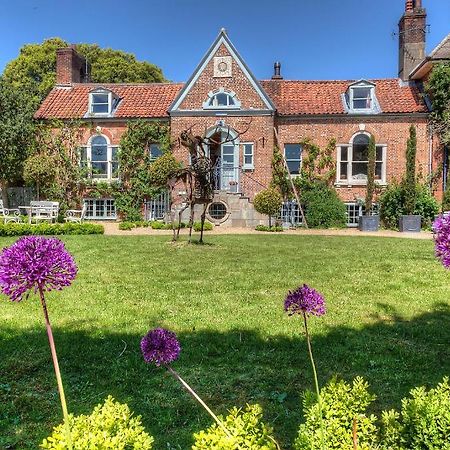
(323, 207)
(268, 202)
(126, 225)
(110, 426)
(392, 205)
(162, 169)
(49, 229)
(246, 428)
(446, 198)
(169, 226)
(156, 225)
(341, 403)
(208, 226)
(424, 421)
(267, 228)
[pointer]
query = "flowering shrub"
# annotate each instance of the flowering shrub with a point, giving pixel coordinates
(441, 229)
(341, 403)
(110, 426)
(424, 421)
(247, 430)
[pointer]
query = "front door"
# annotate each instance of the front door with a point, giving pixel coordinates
(229, 170)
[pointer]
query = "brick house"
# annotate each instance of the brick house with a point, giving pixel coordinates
(223, 96)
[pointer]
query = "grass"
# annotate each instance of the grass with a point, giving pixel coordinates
(388, 320)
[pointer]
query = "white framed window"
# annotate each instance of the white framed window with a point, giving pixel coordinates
(102, 102)
(221, 99)
(293, 156)
(247, 154)
(100, 159)
(352, 161)
(154, 152)
(361, 99)
(100, 208)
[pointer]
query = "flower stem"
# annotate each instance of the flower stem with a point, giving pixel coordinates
(55, 363)
(194, 394)
(316, 382)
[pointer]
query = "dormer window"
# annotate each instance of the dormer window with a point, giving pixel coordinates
(222, 99)
(360, 98)
(102, 102)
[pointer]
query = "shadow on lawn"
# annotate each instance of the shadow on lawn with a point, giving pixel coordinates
(227, 369)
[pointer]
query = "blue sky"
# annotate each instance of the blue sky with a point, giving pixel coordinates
(313, 39)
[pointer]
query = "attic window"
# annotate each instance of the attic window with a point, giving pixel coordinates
(222, 99)
(102, 102)
(360, 98)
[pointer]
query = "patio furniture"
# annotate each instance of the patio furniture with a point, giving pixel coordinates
(43, 210)
(9, 214)
(76, 215)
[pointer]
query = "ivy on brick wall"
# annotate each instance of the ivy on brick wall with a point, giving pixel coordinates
(134, 162)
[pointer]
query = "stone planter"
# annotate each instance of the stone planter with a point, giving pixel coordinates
(369, 223)
(410, 224)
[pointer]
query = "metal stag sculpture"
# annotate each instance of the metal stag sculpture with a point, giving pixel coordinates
(198, 177)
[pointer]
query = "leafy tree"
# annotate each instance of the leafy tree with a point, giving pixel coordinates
(35, 67)
(372, 154)
(410, 176)
(16, 133)
(268, 202)
(40, 170)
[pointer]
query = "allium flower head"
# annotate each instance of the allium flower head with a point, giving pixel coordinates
(441, 229)
(304, 300)
(160, 346)
(33, 263)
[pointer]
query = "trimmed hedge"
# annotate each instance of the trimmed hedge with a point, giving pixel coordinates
(267, 228)
(49, 229)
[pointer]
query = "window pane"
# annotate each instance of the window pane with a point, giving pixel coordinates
(294, 167)
(99, 169)
(359, 171)
(344, 153)
(292, 151)
(361, 104)
(114, 153)
(99, 208)
(98, 140)
(221, 99)
(361, 139)
(378, 173)
(360, 153)
(361, 92)
(99, 152)
(103, 108)
(344, 166)
(379, 153)
(115, 170)
(248, 149)
(248, 160)
(155, 151)
(100, 98)
(230, 100)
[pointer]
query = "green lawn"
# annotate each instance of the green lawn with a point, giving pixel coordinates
(388, 320)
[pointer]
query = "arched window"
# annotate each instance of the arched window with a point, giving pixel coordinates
(100, 159)
(222, 99)
(353, 161)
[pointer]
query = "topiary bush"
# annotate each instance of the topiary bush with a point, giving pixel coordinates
(49, 229)
(323, 207)
(110, 426)
(424, 421)
(268, 202)
(247, 430)
(162, 169)
(392, 205)
(341, 403)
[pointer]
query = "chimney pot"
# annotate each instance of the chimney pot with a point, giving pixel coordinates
(277, 71)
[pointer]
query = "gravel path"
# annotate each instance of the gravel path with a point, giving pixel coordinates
(112, 229)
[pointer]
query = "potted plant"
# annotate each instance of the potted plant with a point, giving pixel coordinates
(369, 221)
(409, 221)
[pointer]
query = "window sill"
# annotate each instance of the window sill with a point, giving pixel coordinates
(357, 183)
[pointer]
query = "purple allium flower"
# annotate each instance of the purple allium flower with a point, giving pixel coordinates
(33, 263)
(441, 229)
(160, 346)
(304, 300)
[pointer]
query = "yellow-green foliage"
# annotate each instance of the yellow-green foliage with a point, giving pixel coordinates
(268, 201)
(110, 426)
(341, 403)
(162, 169)
(424, 421)
(247, 430)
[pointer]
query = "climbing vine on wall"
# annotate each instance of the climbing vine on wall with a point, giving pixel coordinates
(134, 162)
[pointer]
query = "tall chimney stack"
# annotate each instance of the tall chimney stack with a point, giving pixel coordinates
(412, 32)
(71, 67)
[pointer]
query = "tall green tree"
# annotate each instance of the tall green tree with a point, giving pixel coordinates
(35, 67)
(371, 156)
(16, 133)
(410, 176)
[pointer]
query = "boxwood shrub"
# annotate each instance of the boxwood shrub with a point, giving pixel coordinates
(49, 229)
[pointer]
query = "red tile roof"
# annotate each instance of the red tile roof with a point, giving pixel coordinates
(138, 100)
(293, 97)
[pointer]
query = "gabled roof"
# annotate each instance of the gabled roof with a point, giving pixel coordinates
(294, 97)
(222, 39)
(138, 100)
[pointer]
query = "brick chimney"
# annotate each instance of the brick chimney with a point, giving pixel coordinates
(412, 32)
(71, 67)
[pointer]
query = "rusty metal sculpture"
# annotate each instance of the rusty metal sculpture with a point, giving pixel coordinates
(198, 176)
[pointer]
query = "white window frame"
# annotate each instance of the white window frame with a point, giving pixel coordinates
(213, 94)
(112, 103)
(93, 201)
(374, 107)
(109, 161)
(349, 181)
(300, 160)
(248, 166)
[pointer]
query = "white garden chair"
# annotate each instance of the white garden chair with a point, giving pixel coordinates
(9, 214)
(76, 215)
